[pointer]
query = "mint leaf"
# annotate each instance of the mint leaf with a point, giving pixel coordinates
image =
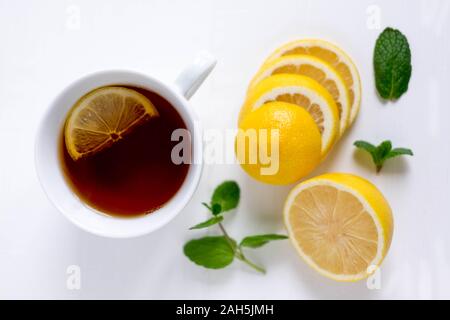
(366, 146)
(399, 152)
(260, 240)
(226, 195)
(216, 209)
(207, 223)
(210, 252)
(382, 152)
(370, 148)
(392, 64)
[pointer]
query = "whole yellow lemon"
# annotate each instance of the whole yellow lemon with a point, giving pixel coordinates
(279, 143)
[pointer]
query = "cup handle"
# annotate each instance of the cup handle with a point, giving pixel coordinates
(191, 78)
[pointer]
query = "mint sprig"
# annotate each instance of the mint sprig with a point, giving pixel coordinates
(392, 64)
(217, 252)
(382, 152)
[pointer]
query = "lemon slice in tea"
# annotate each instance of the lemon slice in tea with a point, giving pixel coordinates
(104, 116)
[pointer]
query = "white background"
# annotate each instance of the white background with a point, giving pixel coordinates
(44, 47)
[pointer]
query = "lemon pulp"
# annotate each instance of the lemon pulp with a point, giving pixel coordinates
(104, 116)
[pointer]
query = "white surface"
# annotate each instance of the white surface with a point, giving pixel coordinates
(43, 50)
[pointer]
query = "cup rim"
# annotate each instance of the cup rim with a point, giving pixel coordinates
(56, 187)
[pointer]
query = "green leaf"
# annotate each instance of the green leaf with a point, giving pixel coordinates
(382, 152)
(365, 146)
(399, 152)
(384, 148)
(216, 209)
(226, 195)
(207, 223)
(392, 64)
(370, 148)
(260, 240)
(210, 252)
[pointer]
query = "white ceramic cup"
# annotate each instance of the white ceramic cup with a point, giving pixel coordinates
(47, 156)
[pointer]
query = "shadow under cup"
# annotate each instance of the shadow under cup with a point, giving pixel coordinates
(136, 175)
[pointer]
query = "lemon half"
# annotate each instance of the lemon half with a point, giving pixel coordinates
(340, 224)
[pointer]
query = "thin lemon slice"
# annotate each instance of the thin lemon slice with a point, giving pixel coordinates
(333, 55)
(304, 92)
(104, 116)
(316, 69)
(340, 224)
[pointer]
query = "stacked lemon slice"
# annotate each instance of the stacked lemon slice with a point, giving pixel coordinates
(315, 75)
